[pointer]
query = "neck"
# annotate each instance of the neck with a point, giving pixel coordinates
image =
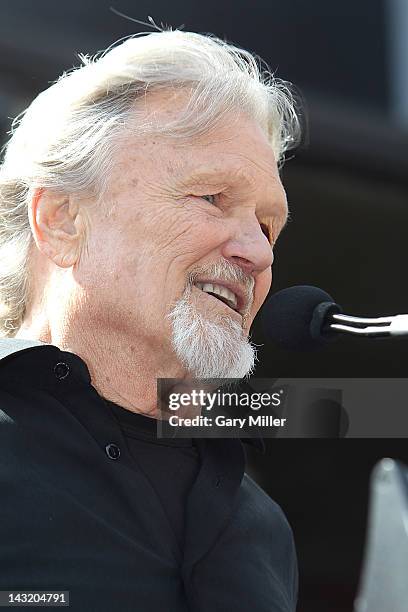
(124, 369)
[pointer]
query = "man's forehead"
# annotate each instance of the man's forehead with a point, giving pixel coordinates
(240, 152)
(232, 140)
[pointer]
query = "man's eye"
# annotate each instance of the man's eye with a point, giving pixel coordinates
(209, 196)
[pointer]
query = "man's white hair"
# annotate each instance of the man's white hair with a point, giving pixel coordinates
(66, 139)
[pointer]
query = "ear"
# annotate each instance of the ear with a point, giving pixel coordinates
(57, 226)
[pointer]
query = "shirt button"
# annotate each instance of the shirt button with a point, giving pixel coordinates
(113, 451)
(61, 370)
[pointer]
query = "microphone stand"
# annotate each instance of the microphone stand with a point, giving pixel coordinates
(381, 327)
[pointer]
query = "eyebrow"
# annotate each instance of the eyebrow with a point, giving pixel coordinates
(199, 174)
(230, 176)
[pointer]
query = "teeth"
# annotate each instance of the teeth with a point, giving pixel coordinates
(219, 290)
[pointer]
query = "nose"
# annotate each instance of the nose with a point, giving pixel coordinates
(249, 249)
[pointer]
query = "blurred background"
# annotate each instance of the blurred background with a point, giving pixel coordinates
(347, 191)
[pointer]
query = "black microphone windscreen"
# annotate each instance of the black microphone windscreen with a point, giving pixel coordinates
(294, 317)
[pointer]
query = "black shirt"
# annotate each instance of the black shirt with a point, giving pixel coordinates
(170, 465)
(85, 509)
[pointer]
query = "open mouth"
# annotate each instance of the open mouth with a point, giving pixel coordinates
(221, 293)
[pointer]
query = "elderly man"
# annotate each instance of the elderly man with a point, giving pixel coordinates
(140, 200)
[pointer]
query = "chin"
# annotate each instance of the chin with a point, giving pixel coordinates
(208, 346)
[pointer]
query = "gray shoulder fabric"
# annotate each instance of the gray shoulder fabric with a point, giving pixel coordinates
(12, 345)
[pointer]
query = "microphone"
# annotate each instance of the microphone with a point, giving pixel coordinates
(304, 317)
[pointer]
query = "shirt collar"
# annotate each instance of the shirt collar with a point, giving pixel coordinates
(48, 374)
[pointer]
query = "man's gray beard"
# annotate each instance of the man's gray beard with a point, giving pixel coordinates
(210, 349)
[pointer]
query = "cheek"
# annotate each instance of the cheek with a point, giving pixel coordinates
(195, 237)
